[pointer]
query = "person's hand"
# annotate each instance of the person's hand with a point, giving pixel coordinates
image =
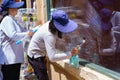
(30, 33)
(75, 51)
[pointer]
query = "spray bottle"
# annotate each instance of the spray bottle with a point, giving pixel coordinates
(74, 60)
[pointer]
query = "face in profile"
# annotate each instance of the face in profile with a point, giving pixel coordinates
(13, 11)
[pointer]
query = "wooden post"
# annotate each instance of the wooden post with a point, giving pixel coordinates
(17, 0)
(28, 2)
(41, 11)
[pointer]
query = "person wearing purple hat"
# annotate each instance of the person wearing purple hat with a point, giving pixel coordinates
(43, 43)
(10, 32)
(112, 17)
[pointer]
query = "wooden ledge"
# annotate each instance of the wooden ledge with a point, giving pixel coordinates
(86, 71)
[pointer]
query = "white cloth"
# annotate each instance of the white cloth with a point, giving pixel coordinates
(10, 32)
(43, 43)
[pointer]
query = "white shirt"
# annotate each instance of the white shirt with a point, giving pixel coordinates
(43, 43)
(10, 32)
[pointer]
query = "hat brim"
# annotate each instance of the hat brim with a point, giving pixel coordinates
(71, 26)
(16, 5)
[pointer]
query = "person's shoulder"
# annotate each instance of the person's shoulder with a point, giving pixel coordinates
(7, 18)
(116, 12)
(46, 24)
(44, 28)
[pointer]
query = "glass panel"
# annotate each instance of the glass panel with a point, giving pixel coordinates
(108, 57)
(86, 14)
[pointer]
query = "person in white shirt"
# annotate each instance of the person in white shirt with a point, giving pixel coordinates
(10, 32)
(109, 14)
(114, 18)
(43, 43)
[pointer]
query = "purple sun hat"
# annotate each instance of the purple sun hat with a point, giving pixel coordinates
(105, 12)
(62, 22)
(12, 4)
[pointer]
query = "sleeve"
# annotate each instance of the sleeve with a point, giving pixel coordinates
(9, 28)
(117, 19)
(52, 53)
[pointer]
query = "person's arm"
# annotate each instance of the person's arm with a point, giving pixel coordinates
(9, 28)
(52, 54)
(118, 19)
